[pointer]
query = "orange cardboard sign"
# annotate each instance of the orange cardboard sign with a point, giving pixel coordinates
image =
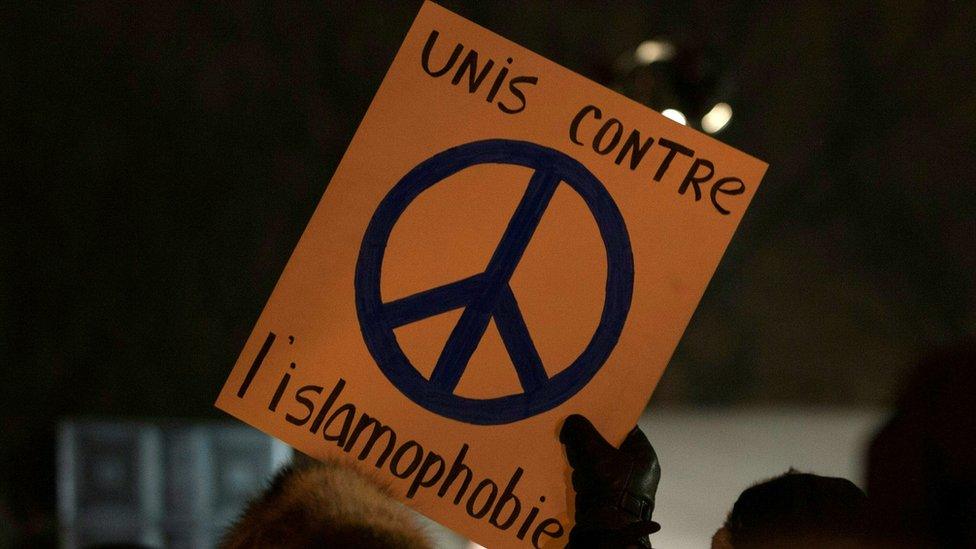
(504, 243)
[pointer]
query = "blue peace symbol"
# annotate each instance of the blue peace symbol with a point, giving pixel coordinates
(488, 294)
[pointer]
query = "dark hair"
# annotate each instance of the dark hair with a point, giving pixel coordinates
(797, 507)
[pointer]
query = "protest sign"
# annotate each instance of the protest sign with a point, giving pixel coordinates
(504, 243)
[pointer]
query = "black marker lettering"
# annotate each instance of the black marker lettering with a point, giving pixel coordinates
(694, 179)
(488, 502)
(528, 520)
(720, 187)
(635, 148)
(498, 82)
(508, 495)
(336, 391)
(457, 468)
(543, 529)
(417, 451)
(349, 412)
(514, 89)
(256, 365)
(273, 405)
(422, 479)
(378, 430)
(421, 468)
(308, 404)
(614, 123)
(673, 149)
(470, 64)
(574, 126)
(425, 57)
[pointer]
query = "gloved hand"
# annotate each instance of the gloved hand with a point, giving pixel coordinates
(614, 487)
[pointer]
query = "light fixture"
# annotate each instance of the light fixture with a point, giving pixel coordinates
(675, 115)
(651, 51)
(716, 118)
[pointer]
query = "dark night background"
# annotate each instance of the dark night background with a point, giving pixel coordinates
(165, 159)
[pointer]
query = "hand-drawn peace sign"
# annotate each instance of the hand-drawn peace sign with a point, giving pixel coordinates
(488, 294)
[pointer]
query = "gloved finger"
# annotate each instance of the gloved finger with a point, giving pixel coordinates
(637, 446)
(584, 482)
(583, 442)
(644, 458)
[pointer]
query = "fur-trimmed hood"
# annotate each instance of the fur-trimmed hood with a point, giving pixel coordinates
(312, 504)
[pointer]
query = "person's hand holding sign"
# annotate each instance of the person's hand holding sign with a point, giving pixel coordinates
(614, 487)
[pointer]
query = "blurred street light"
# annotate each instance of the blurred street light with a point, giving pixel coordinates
(682, 80)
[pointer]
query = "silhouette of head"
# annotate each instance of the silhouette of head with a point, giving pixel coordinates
(795, 510)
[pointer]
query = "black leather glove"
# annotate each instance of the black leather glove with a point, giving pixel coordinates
(614, 487)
